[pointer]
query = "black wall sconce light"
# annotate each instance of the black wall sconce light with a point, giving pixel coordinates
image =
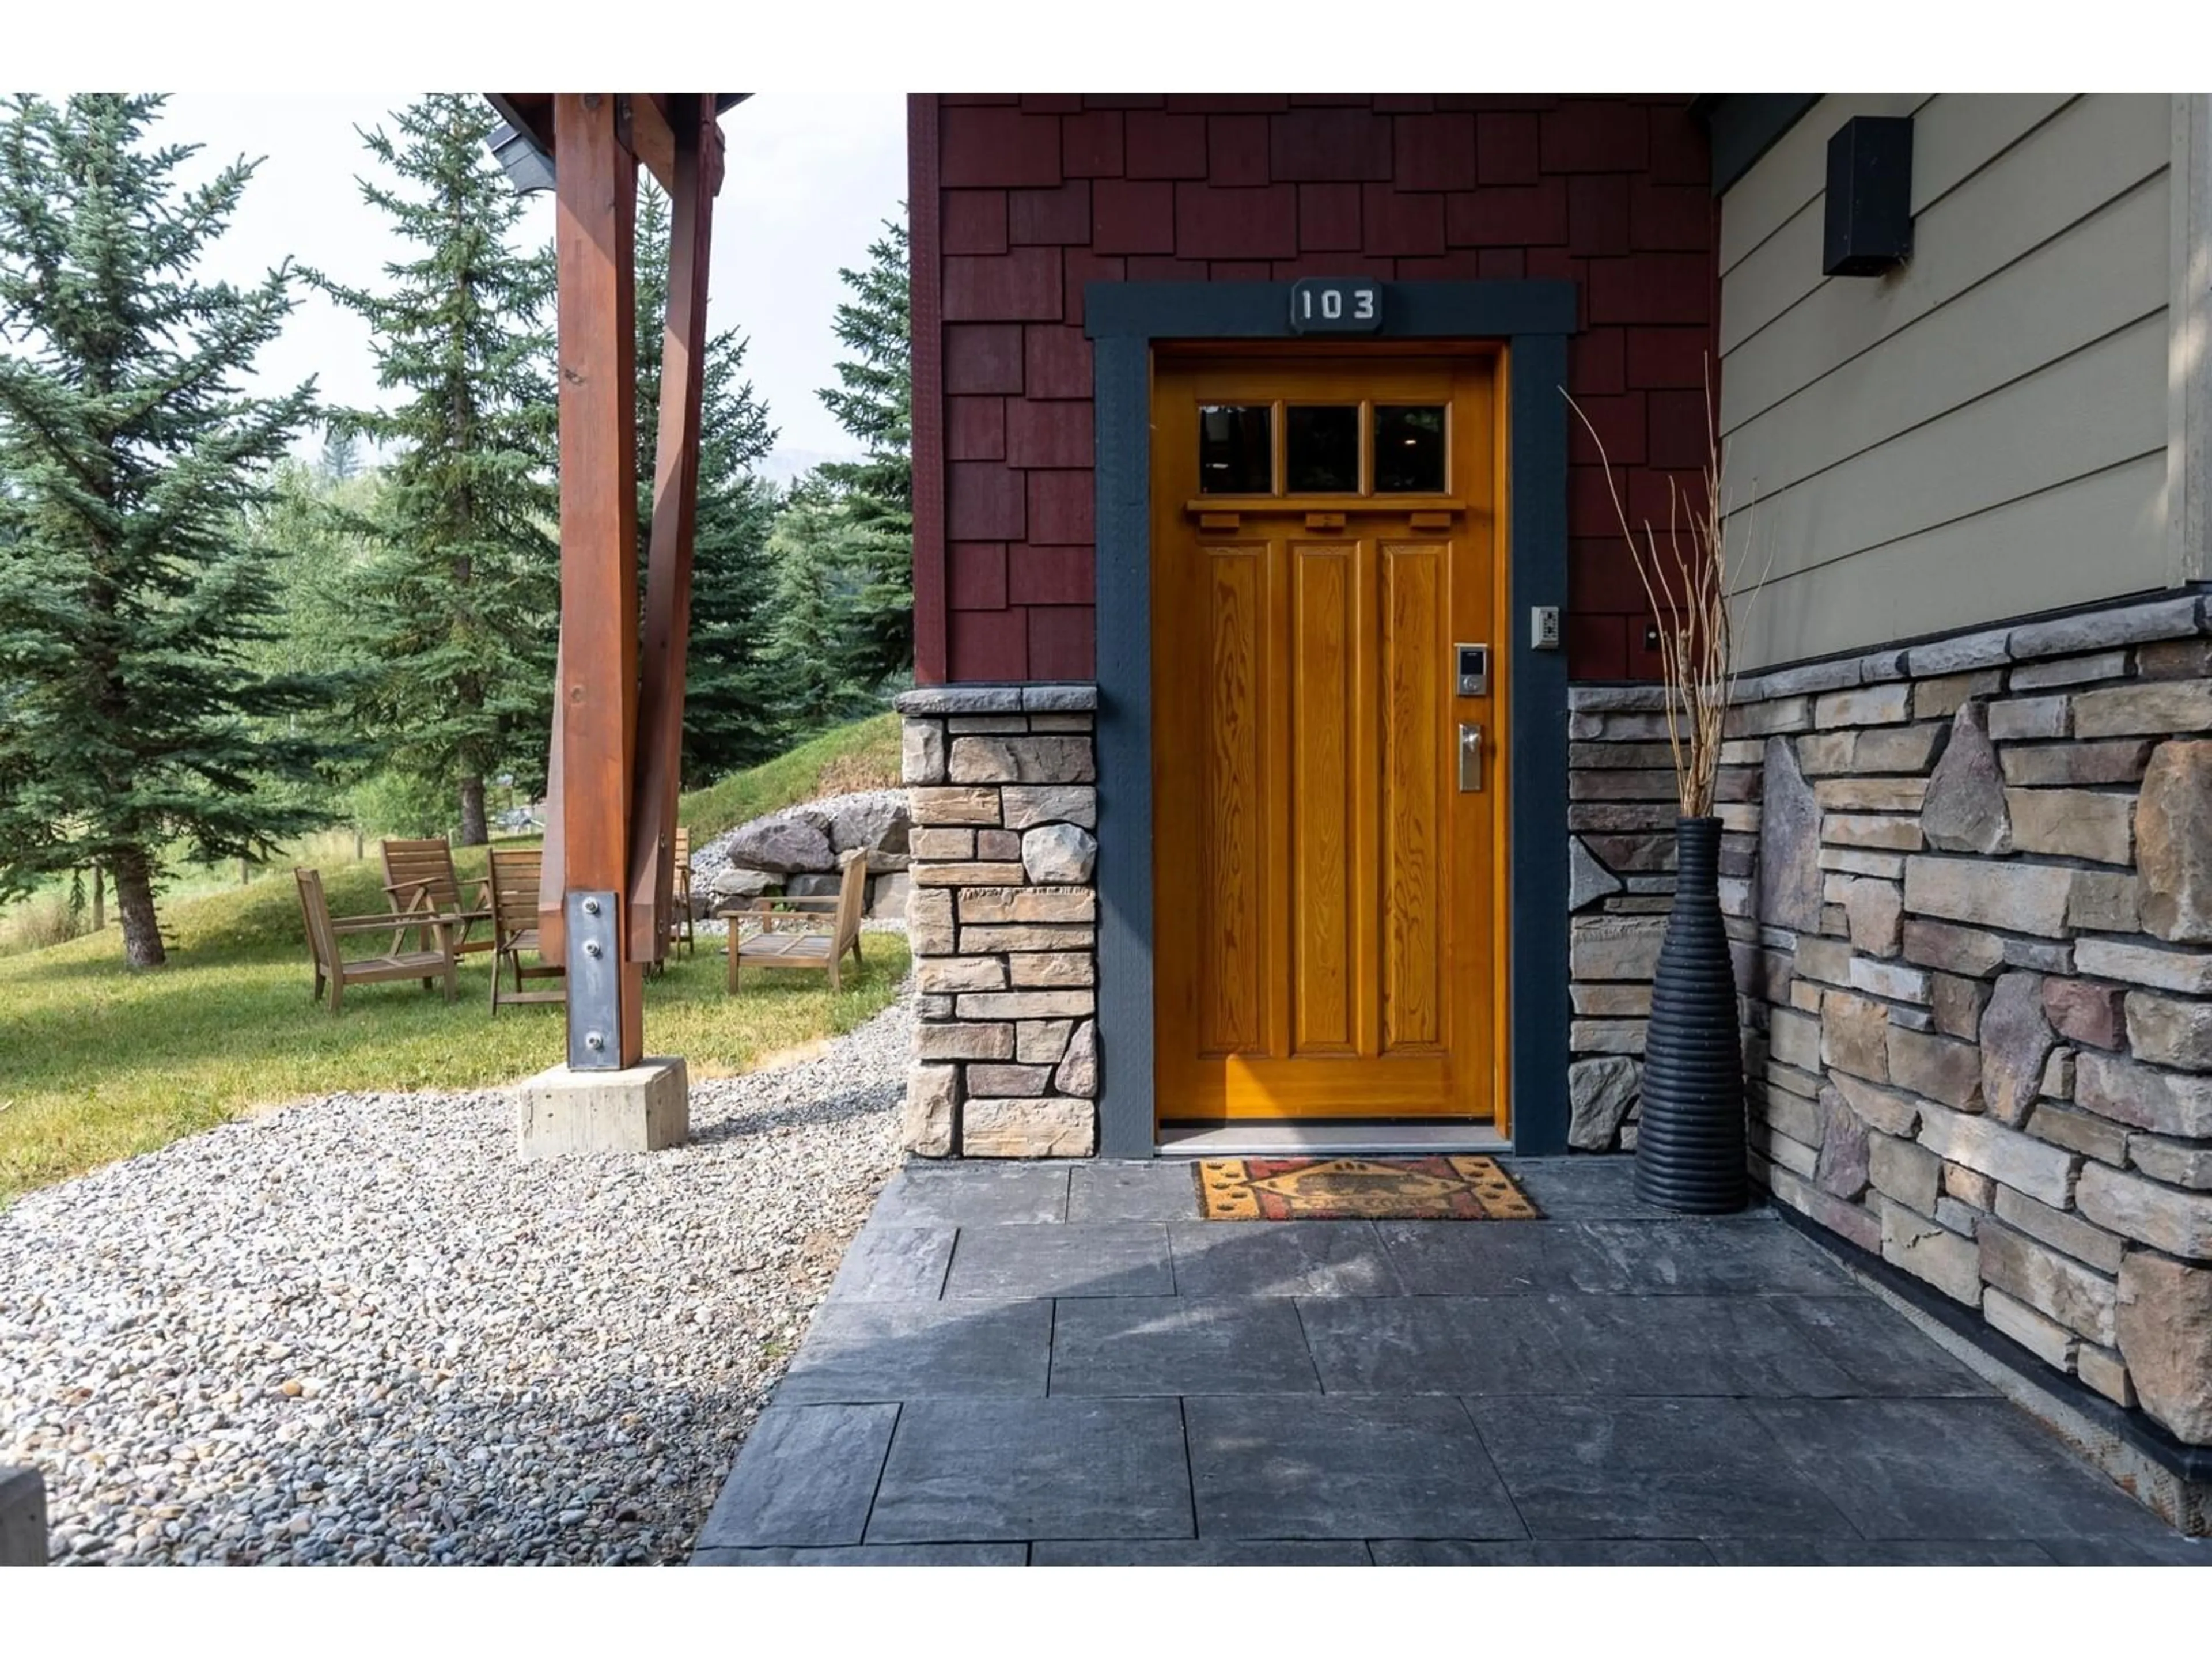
(1869, 229)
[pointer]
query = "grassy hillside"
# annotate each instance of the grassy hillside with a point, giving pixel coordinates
(862, 756)
(97, 1062)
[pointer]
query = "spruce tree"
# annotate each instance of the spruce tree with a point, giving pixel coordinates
(341, 454)
(133, 725)
(874, 402)
(818, 676)
(460, 605)
(729, 718)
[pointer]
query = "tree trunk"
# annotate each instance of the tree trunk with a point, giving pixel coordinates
(474, 832)
(98, 898)
(134, 909)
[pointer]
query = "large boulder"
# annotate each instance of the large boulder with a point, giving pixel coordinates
(887, 895)
(873, 823)
(787, 842)
(736, 881)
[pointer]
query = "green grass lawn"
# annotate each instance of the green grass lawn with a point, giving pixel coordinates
(98, 1063)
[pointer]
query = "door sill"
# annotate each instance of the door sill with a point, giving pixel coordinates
(1343, 1137)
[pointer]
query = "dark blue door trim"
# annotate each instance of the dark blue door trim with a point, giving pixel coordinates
(1533, 319)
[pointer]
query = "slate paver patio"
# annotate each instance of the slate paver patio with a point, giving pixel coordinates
(1059, 1364)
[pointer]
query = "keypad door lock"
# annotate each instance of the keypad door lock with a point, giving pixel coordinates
(1473, 669)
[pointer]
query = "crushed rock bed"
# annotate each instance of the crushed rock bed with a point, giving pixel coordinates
(358, 1329)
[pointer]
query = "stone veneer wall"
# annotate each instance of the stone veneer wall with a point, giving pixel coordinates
(1002, 919)
(1970, 884)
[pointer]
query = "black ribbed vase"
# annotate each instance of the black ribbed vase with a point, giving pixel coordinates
(1690, 1141)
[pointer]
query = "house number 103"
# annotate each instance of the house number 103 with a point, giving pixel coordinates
(1321, 304)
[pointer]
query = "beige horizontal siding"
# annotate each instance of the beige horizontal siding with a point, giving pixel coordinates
(1958, 134)
(1960, 574)
(2093, 280)
(2013, 374)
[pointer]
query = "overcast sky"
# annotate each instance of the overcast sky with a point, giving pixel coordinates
(809, 181)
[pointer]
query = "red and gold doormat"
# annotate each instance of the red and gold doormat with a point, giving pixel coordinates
(1359, 1189)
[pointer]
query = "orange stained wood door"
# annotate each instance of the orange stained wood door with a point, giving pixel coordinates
(1328, 922)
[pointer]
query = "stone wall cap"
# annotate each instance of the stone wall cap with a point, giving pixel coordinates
(2134, 622)
(1060, 699)
(1614, 699)
(2099, 630)
(960, 700)
(1054, 697)
(1841, 675)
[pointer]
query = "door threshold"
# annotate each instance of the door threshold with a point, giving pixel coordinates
(1340, 1138)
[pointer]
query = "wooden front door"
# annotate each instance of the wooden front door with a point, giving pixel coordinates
(1327, 794)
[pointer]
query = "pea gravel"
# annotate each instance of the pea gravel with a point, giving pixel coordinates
(360, 1330)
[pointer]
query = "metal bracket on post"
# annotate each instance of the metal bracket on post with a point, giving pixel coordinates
(594, 983)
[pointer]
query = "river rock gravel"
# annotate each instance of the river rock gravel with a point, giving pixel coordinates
(358, 1329)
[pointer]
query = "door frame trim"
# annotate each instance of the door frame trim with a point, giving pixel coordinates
(1532, 320)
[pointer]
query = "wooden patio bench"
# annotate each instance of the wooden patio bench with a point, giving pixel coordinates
(815, 931)
(418, 875)
(513, 885)
(334, 969)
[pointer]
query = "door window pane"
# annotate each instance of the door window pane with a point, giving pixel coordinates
(1235, 453)
(1321, 445)
(1409, 448)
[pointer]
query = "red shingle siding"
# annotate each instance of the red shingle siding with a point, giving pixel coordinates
(1035, 195)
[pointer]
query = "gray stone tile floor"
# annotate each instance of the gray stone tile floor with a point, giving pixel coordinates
(1059, 1364)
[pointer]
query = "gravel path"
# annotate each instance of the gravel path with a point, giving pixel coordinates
(358, 1330)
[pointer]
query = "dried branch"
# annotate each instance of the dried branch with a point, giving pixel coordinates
(1691, 604)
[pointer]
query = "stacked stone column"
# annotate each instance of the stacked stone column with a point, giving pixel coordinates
(1002, 919)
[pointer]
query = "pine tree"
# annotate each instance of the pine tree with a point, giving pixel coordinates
(812, 650)
(730, 719)
(341, 454)
(132, 724)
(874, 402)
(460, 607)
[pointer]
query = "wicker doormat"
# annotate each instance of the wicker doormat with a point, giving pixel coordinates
(1359, 1189)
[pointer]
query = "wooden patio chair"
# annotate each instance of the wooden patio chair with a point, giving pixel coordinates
(333, 968)
(418, 875)
(513, 888)
(815, 931)
(680, 935)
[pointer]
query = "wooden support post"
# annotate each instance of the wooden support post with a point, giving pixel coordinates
(697, 164)
(595, 216)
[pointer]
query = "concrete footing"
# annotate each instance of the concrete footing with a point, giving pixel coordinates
(641, 1109)
(22, 1518)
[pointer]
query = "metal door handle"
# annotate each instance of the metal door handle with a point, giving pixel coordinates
(1470, 757)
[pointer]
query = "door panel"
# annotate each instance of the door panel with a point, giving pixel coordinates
(1325, 928)
(1413, 881)
(1234, 944)
(1325, 801)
